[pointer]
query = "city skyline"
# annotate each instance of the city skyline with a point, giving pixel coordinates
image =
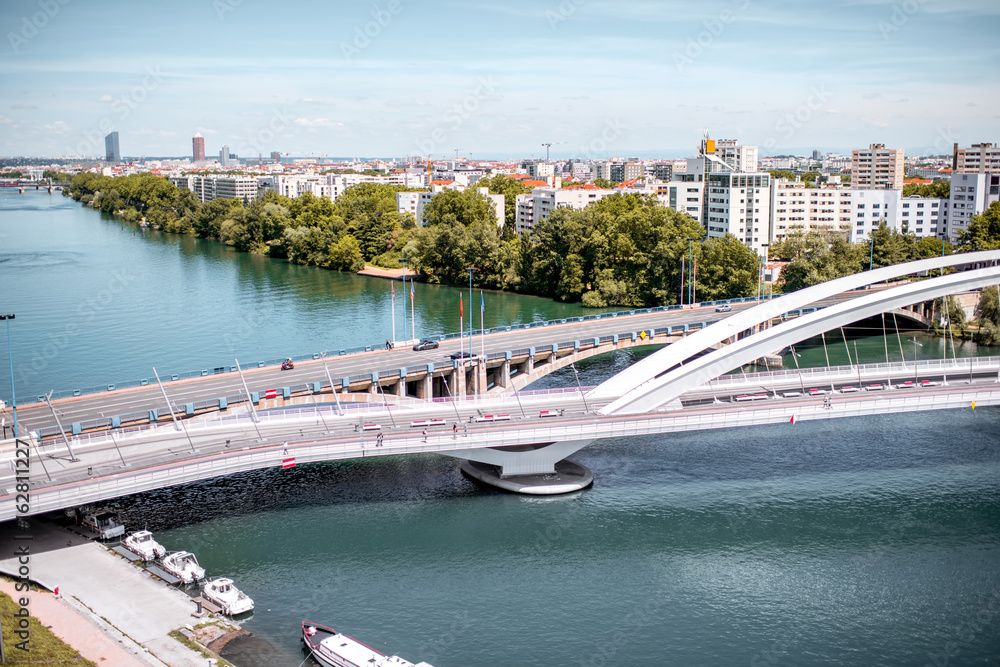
(592, 78)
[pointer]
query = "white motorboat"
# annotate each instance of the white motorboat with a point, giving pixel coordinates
(184, 566)
(335, 649)
(142, 544)
(105, 524)
(222, 592)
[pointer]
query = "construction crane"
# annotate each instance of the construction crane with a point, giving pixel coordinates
(548, 145)
(456, 152)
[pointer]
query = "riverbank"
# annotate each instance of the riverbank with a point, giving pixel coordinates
(108, 609)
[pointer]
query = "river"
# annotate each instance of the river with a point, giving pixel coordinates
(868, 541)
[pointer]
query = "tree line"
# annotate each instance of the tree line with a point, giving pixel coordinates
(624, 250)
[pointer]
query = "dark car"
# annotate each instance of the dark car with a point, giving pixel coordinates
(462, 354)
(425, 344)
(724, 308)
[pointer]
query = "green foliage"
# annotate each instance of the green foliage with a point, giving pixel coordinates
(45, 648)
(463, 207)
(10, 174)
(603, 183)
(799, 244)
(891, 247)
(509, 188)
(950, 311)
(983, 232)
(938, 189)
(345, 255)
(840, 259)
(930, 246)
(782, 173)
(809, 178)
(986, 311)
(727, 269)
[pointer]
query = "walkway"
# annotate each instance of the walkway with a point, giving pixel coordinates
(127, 608)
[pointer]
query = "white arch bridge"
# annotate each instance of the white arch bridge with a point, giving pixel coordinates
(521, 441)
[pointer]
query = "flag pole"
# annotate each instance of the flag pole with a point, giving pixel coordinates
(393, 284)
(482, 325)
(413, 319)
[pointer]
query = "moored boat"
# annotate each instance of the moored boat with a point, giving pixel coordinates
(335, 649)
(184, 566)
(105, 524)
(142, 544)
(224, 593)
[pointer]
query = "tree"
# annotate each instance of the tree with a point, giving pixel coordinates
(799, 243)
(983, 232)
(940, 189)
(464, 207)
(930, 246)
(509, 188)
(891, 247)
(782, 173)
(603, 183)
(727, 269)
(345, 255)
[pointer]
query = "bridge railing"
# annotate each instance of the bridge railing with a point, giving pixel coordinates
(231, 368)
(812, 375)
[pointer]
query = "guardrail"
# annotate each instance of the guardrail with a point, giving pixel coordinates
(126, 483)
(229, 368)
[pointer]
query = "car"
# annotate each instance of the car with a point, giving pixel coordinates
(425, 344)
(462, 354)
(724, 308)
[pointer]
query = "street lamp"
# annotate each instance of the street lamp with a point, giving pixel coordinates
(10, 357)
(871, 253)
(763, 281)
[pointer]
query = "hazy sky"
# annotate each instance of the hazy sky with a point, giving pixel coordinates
(404, 77)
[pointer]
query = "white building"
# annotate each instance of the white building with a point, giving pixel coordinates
(537, 205)
(415, 202)
(794, 207)
(739, 204)
(970, 194)
(214, 186)
(922, 216)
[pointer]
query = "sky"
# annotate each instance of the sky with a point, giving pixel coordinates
(496, 79)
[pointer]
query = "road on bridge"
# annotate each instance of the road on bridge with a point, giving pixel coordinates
(36, 416)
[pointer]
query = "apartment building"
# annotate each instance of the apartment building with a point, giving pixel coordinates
(214, 186)
(415, 202)
(739, 204)
(877, 167)
(977, 159)
(537, 205)
(970, 194)
(794, 207)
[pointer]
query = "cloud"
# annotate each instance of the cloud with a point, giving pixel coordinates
(104, 98)
(58, 127)
(5, 121)
(23, 106)
(877, 122)
(317, 122)
(871, 96)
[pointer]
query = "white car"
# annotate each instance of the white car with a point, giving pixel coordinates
(724, 308)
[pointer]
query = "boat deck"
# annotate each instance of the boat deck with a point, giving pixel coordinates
(122, 551)
(163, 574)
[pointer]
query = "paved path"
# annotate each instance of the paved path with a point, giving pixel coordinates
(135, 606)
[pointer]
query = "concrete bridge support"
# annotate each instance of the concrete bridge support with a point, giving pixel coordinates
(537, 469)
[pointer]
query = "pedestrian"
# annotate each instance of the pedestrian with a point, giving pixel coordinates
(425, 435)
(387, 344)
(378, 439)
(465, 430)
(454, 431)
(285, 450)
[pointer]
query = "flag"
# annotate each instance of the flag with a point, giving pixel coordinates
(393, 284)
(482, 303)
(792, 420)
(973, 405)
(411, 289)
(461, 308)
(288, 463)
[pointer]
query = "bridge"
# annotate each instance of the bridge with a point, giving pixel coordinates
(520, 440)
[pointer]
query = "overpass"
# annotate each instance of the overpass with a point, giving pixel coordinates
(165, 454)
(515, 356)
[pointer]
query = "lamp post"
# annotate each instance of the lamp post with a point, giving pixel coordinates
(690, 291)
(10, 357)
(763, 280)
(871, 253)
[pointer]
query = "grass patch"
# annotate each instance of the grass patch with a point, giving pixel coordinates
(44, 648)
(195, 646)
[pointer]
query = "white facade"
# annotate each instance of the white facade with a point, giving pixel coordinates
(536, 206)
(739, 204)
(970, 194)
(794, 207)
(214, 186)
(683, 196)
(922, 216)
(415, 202)
(871, 207)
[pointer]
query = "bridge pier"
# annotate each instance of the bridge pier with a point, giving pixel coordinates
(539, 469)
